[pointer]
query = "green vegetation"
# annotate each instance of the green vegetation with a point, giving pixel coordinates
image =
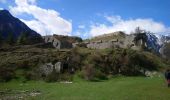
(101, 63)
(167, 50)
(22, 39)
(117, 88)
(90, 64)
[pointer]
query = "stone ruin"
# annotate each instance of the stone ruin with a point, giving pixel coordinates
(126, 42)
(58, 43)
(136, 41)
(140, 39)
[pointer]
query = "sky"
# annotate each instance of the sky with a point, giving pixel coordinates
(89, 18)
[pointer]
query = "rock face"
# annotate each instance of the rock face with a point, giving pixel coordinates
(47, 68)
(12, 25)
(61, 42)
(55, 42)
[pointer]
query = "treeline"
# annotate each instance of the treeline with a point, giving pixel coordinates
(23, 39)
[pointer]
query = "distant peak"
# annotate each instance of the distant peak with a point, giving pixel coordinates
(5, 12)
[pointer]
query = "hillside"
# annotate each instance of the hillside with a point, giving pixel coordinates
(25, 62)
(29, 58)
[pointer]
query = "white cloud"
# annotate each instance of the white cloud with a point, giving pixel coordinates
(36, 25)
(32, 1)
(46, 21)
(81, 26)
(113, 19)
(118, 24)
(3, 1)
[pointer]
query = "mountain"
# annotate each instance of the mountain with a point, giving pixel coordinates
(165, 39)
(9, 25)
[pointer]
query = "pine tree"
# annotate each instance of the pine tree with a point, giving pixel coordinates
(10, 39)
(1, 39)
(22, 39)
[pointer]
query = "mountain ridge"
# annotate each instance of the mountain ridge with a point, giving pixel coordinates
(12, 25)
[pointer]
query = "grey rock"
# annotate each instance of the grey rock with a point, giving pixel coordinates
(58, 67)
(49, 67)
(58, 43)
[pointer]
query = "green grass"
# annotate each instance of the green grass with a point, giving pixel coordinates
(118, 88)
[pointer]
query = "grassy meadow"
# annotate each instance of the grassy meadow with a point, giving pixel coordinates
(118, 88)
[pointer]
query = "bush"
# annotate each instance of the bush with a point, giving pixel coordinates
(130, 71)
(30, 75)
(89, 72)
(100, 75)
(52, 77)
(6, 74)
(142, 60)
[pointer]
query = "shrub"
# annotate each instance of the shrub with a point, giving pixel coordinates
(91, 73)
(30, 75)
(52, 77)
(100, 75)
(88, 72)
(6, 74)
(130, 71)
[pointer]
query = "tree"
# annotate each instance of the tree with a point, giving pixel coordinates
(23, 38)
(1, 38)
(140, 38)
(10, 39)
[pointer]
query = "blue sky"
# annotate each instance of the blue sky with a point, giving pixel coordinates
(87, 18)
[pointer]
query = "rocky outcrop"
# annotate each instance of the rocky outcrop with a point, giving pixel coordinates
(55, 42)
(61, 42)
(48, 68)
